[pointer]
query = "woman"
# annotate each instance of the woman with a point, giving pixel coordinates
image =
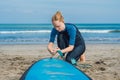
(69, 39)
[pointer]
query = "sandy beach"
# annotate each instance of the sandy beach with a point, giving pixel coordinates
(104, 58)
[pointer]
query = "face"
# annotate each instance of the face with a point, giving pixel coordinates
(59, 26)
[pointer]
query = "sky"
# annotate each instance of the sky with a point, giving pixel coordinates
(74, 11)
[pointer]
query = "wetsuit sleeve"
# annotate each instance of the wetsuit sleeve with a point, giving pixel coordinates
(72, 34)
(53, 35)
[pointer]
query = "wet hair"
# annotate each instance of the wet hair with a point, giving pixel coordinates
(58, 17)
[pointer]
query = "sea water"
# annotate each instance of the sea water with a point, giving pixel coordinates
(40, 33)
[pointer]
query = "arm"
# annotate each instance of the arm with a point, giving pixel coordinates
(72, 34)
(51, 41)
(68, 49)
(50, 47)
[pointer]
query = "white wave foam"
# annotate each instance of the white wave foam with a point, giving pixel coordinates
(94, 31)
(17, 32)
(48, 31)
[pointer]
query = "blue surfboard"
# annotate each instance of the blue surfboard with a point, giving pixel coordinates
(53, 69)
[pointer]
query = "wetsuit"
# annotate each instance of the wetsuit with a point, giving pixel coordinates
(69, 36)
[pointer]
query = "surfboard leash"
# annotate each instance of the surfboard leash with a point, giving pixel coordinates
(60, 53)
(74, 62)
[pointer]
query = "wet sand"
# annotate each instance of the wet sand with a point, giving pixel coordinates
(104, 58)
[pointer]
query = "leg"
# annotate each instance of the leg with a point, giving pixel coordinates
(75, 54)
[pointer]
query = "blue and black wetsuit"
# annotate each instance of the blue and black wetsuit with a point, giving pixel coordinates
(70, 36)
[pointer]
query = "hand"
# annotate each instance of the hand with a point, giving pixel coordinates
(53, 52)
(59, 54)
(56, 49)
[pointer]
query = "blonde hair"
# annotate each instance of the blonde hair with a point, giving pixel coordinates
(58, 16)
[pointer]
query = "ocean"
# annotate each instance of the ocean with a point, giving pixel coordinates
(40, 33)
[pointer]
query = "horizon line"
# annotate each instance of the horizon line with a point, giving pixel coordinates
(66, 22)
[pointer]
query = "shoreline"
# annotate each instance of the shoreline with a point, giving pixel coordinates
(104, 58)
(54, 43)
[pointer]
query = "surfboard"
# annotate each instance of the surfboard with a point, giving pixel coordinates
(53, 69)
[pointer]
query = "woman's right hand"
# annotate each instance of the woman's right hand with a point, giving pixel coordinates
(50, 48)
(52, 52)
